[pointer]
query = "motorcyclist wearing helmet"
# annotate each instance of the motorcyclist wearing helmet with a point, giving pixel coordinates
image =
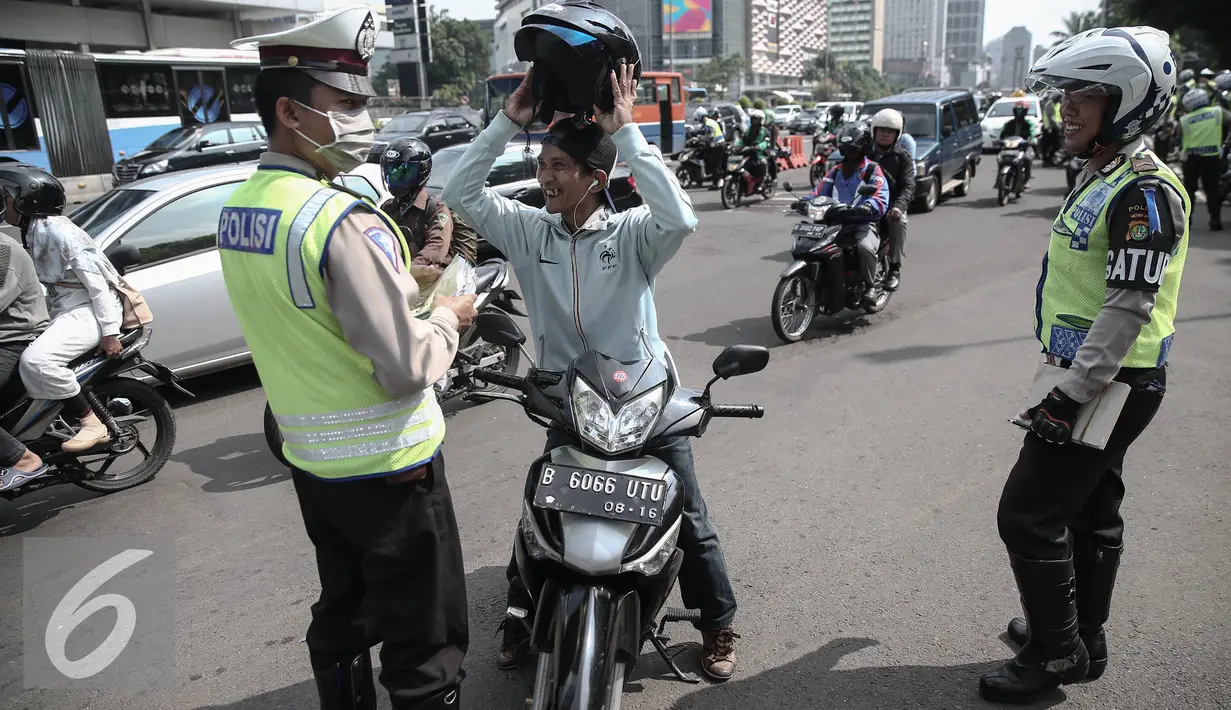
(1105, 310)
(23, 317)
(1204, 130)
(715, 156)
(1222, 88)
(1205, 81)
(1024, 126)
(587, 276)
(758, 139)
(82, 297)
(836, 118)
(898, 165)
(1050, 140)
(861, 213)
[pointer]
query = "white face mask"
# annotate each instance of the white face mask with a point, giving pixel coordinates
(353, 134)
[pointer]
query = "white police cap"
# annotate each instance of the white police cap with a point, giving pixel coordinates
(334, 50)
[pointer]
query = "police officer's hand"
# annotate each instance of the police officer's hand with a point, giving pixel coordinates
(520, 105)
(1052, 419)
(462, 306)
(895, 214)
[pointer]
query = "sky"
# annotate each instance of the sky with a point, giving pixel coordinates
(1041, 17)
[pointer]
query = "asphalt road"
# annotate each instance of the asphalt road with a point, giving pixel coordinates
(858, 517)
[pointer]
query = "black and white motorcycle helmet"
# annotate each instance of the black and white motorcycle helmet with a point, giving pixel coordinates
(1194, 99)
(574, 46)
(1134, 66)
(35, 192)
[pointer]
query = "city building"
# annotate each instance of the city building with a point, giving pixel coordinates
(1015, 58)
(110, 26)
(785, 37)
(964, 41)
(857, 31)
(1039, 51)
(993, 52)
(914, 42)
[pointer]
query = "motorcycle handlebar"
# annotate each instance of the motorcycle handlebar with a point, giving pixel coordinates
(744, 411)
(499, 378)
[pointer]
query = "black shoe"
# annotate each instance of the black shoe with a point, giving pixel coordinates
(1054, 654)
(871, 296)
(447, 699)
(893, 279)
(516, 643)
(348, 685)
(1216, 225)
(1095, 568)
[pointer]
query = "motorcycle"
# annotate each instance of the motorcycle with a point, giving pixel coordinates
(596, 544)
(121, 402)
(824, 275)
(472, 355)
(693, 171)
(739, 183)
(1010, 172)
(822, 147)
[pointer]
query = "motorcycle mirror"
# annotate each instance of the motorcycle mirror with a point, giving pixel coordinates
(499, 329)
(787, 186)
(740, 360)
(867, 189)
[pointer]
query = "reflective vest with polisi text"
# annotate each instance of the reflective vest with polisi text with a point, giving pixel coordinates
(1073, 285)
(1202, 131)
(336, 420)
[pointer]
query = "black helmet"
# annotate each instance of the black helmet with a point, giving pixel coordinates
(837, 111)
(36, 193)
(405, 165)
(854, 140)
(574, 46)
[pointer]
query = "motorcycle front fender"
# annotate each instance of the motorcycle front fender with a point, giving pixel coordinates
(796, 267)
(593, 628)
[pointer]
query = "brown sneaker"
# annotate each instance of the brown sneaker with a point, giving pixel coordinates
(516, 643)
(719, 648)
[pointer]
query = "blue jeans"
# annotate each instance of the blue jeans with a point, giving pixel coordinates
(703, 579)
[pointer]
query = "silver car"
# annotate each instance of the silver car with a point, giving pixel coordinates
(173, 221)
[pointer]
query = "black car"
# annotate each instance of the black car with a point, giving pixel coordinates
(196, 146)
(805, 123)
(438, 128)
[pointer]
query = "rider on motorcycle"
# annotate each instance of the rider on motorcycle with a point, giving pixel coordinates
(861, 213)
(715, 156)
(1053, 126)
(23, 316)
(605, 301)
(758, 138)
(899, 167)
(1022, 126)
(836, 118)
(82, 297)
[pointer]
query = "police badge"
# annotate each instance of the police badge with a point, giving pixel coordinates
(365, 41)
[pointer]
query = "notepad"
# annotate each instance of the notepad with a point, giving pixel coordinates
(1095, 419)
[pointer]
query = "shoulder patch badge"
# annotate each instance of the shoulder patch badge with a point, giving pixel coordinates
(387, 244)
(1112, 166)
(1144, 163)
(443, 219)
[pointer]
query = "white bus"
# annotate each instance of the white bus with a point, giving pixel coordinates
(57, 107)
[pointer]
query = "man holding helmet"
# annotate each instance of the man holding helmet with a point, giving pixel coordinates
(319, 279)
(1105, 310)
(1204, 129)
(588, 273)
(898, 165)
(862, 214)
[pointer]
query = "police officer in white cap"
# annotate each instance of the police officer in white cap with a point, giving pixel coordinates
(320, 281)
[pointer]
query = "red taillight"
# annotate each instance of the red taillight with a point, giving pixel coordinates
(632, 183)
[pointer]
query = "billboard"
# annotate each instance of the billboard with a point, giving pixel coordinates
(688, 17)
(771, 34)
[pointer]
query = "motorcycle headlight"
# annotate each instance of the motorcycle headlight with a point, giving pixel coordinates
(613, 432)
(530, 535)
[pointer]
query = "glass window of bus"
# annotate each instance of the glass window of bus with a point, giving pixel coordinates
(239, 89)
(676, 91)
(137, 90)
(201, 95)
(186, 226)
(16, 110)
(646, 91)
(97, 215)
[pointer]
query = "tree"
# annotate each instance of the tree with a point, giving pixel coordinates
(720, 72)
(1076, 23)
(1198, 28)
(846, 80)
(461, 55)
(380, 80)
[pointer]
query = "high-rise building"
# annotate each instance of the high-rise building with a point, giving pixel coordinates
(1016, 58)
(964, 41)
(785, 37)
(914, 41)
(993, 52)
(857, 31)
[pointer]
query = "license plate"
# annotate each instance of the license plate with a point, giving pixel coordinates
(808, 230)
(601, 494)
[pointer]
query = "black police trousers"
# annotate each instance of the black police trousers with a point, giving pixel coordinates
(390, 565)
(1205, 170)
(1056, 490)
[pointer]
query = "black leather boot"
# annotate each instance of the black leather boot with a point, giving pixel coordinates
(1054, 654)
(893, 279)
(348, 685)
(1095, 566)
(447, 699)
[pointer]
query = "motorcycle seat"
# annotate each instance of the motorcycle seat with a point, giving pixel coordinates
(486, 274)
(127, 337)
